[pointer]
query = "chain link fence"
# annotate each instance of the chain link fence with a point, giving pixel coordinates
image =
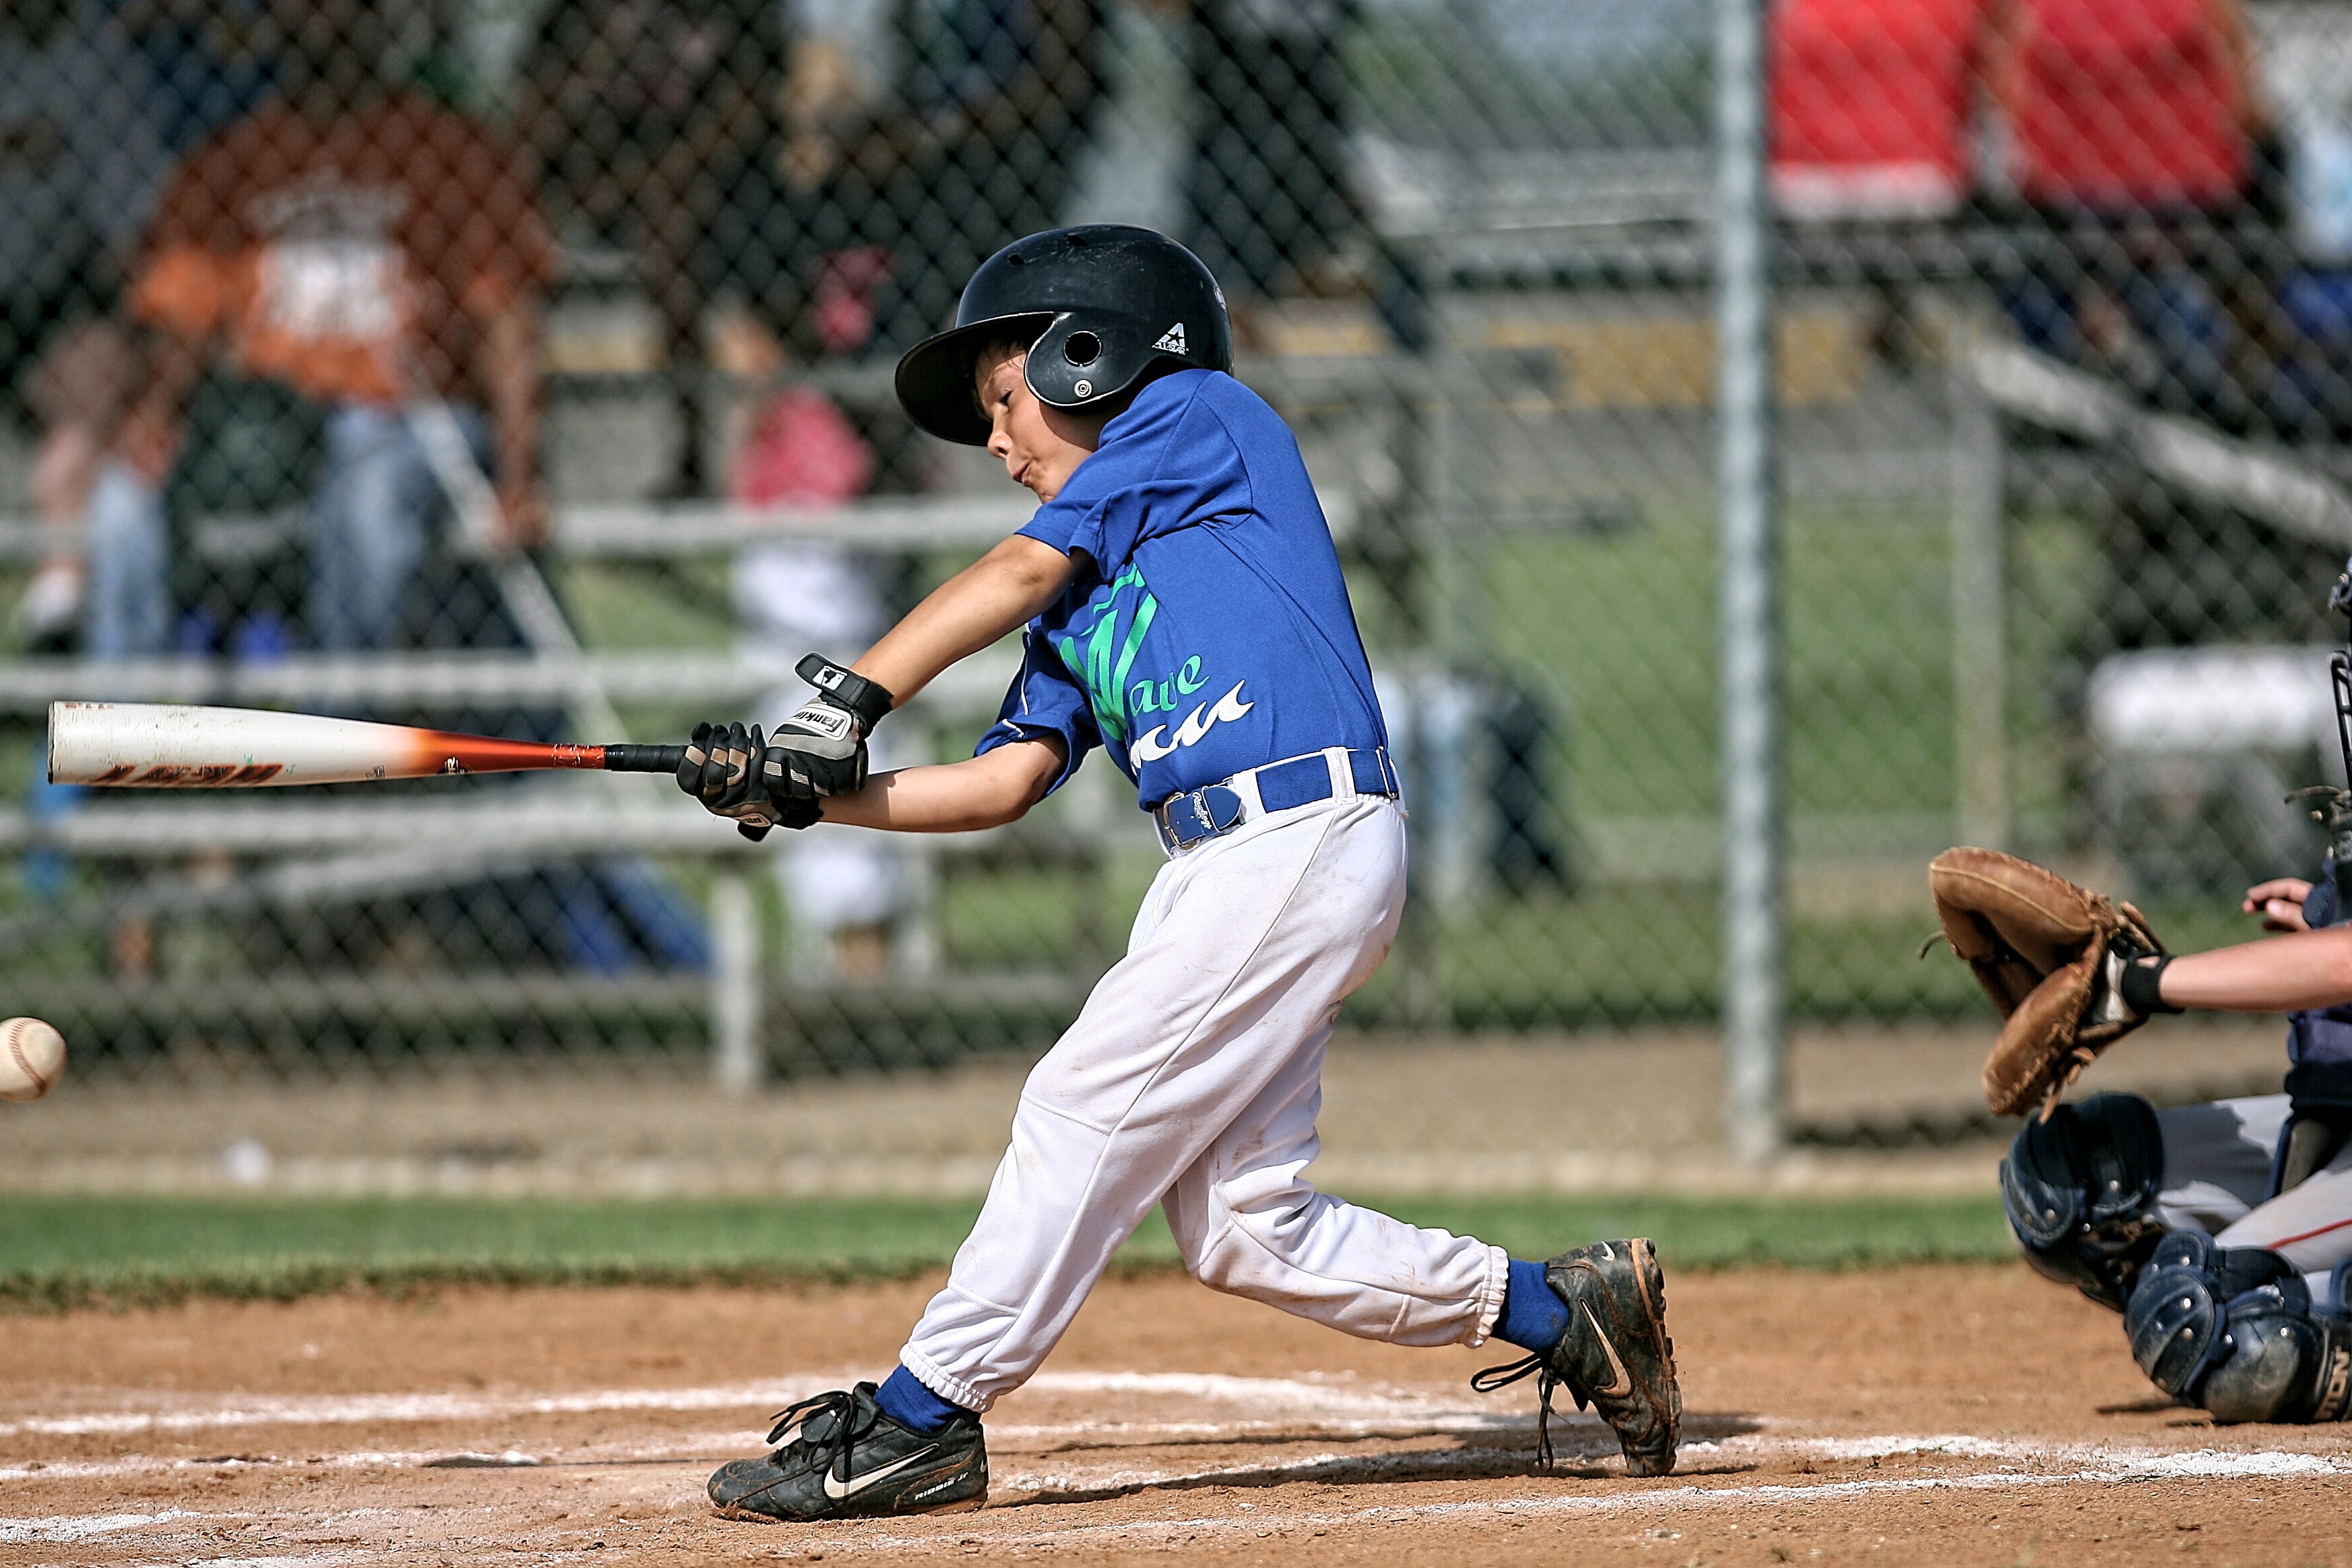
(311, 314)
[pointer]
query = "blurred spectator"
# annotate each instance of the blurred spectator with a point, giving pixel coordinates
(634, 110)
(1268, 197)
(2136, 137)
(922, 136)
(2135, 126)
(82, 157)
(208, 62)
(80, 392)
(844, 888)
(1873, 106)
(2128, 105)
(1873, 121)
(366, 250)
(79, 164)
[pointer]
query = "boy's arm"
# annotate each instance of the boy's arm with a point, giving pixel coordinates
(2277, 974)
(819, 752)
(995, 594)
(987, 791)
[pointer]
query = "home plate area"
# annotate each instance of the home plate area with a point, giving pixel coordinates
(1947, 1414)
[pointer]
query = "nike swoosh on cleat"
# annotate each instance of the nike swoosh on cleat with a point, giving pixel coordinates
(1621, 1385)
(837, 1488)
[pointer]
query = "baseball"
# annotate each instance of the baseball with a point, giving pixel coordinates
(32, 1058)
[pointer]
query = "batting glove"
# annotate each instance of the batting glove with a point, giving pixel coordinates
(720, 771)
(821, 749)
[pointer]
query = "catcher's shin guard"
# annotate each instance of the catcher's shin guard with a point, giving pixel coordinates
(2080, 1190)
(1615, 1355)
(2235, 1330)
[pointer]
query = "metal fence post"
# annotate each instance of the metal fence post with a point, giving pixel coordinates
(1979, 581)
(735, 1061)
(1753, 995)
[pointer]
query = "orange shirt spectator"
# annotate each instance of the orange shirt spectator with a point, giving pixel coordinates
(2129, 104)
(352, 257)
(1871, 102)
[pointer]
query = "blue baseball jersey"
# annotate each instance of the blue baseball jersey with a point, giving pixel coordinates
(1208, 628)
(2320, 1034)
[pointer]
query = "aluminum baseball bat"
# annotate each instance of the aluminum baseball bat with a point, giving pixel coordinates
(172, 745)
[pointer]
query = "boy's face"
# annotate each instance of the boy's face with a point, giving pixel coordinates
(1040, 445)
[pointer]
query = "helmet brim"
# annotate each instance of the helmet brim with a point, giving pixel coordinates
(934, 380)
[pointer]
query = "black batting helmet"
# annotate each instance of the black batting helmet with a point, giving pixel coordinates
(1097, 305)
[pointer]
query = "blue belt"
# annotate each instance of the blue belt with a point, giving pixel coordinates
(1184, 820)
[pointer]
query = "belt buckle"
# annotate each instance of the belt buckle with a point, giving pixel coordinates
(1220, 815)
(1212, 816)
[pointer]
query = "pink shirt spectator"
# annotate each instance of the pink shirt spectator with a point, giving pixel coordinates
(1871, 105)
(2129, 103)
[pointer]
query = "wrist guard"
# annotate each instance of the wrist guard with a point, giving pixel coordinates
(2140, 985)
(867, 700)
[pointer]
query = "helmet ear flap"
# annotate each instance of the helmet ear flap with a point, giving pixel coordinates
(1085, 359)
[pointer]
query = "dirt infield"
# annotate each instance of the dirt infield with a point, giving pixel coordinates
(1966, 1415)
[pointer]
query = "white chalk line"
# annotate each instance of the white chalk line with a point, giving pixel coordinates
(377, 1409)
(1320, 1412)
(1596, 1444)
(2113, 1467)
(1304, 1409)
(2091, 1460)
(2201, 1464)
(1266, 1393)
(68, 1527)
(1004, 1443)
(2204, 1464)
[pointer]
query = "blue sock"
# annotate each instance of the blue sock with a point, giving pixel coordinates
(1533, 1317)
(904, 1399)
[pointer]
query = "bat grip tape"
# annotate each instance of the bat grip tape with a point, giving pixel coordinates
(630, 759)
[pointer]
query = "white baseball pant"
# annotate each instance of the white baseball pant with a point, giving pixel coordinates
(2216, 1175)
(1192, 1078)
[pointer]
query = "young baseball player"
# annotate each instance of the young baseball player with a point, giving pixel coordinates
(1184, 612)
(2223, 1232)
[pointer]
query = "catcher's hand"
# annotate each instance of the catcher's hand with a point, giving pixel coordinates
(721, 770)
(2052, 957)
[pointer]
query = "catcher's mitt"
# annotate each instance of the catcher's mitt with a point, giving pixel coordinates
(2050, 955)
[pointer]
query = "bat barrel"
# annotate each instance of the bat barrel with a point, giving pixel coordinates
(169, 745)
(164, 746)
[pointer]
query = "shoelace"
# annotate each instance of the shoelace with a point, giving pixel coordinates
(1486, 1380)
(842, 1405)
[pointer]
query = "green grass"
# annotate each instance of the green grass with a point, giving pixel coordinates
(1621, 630)
(58, 1253)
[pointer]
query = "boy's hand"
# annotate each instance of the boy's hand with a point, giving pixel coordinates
(821, 749)
(720, 771)
(2279, 902)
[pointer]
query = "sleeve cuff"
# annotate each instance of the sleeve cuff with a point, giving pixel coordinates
(1489, 1301)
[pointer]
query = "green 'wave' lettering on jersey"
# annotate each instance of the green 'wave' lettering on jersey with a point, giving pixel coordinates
(1099, 655)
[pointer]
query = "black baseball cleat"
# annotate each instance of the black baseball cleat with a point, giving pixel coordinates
(1615, 1356)
(839, 1456)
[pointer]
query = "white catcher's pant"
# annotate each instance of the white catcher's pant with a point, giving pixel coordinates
(1192, 1078)
(2217, 1174)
